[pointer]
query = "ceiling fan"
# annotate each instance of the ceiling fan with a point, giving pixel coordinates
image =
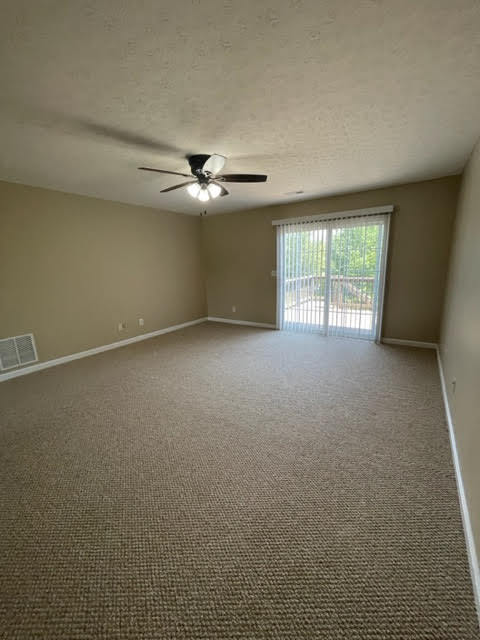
(207, 184)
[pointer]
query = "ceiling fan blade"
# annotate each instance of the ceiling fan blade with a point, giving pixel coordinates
(178, 186)
(242, 177)
(172, 173)
(223, 191)
(214, 164)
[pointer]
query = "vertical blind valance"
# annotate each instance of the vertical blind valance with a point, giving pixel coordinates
(336, 215)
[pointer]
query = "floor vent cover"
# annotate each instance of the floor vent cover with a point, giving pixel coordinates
(17, 351)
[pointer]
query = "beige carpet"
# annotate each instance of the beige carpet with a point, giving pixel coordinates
(221, 483)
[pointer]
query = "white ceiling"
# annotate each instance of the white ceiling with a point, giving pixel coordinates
(324, 96)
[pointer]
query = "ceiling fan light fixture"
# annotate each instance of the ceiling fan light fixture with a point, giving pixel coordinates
(204, 169)
(193, 189)
(214, 190)
(203, 194)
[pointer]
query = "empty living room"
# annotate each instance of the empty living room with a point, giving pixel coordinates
(240, 320)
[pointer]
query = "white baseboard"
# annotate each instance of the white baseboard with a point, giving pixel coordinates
(90, 352)
(410, 343)
(467, 525)
(263, 325)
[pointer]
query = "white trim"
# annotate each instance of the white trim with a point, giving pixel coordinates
(352, 213)
(467, 525)
(263, 325)
(280, 276)
(90, 352)
(410, 343)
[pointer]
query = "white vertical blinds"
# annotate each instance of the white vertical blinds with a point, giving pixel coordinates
(331, 275)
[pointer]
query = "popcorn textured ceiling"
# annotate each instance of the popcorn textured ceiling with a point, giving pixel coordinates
(324, 96)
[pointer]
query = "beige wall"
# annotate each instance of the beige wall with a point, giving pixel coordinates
(72, 267)
(460, 341)
(239, 251)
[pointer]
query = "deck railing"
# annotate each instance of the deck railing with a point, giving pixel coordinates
(352, 292)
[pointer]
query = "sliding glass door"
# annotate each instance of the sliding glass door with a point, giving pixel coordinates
(331, 275)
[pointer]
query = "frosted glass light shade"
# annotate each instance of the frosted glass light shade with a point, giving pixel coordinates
(193, 189)
(214, 190)
(203, 195)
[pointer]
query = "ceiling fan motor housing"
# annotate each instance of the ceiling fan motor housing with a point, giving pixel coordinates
(196, 163)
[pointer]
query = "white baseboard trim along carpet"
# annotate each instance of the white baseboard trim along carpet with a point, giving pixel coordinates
(262, 325)
(392, 341)
(91, 352)
(467, 525)
(410, 343)
(145, 336)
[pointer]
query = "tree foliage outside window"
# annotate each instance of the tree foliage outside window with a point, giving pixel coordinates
(354, 261)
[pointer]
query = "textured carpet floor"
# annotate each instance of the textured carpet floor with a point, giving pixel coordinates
(223, 482)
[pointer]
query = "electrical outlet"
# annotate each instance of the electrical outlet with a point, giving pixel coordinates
(122, 326)
(234, 309)
(141, 322)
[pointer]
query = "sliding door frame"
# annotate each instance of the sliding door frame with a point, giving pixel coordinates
(337, 216)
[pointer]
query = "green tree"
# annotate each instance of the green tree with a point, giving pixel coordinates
(354, 257)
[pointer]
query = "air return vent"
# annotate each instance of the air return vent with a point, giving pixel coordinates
(17, 351)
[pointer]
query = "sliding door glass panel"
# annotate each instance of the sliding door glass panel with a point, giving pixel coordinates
(304, 249)
(354, 279)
